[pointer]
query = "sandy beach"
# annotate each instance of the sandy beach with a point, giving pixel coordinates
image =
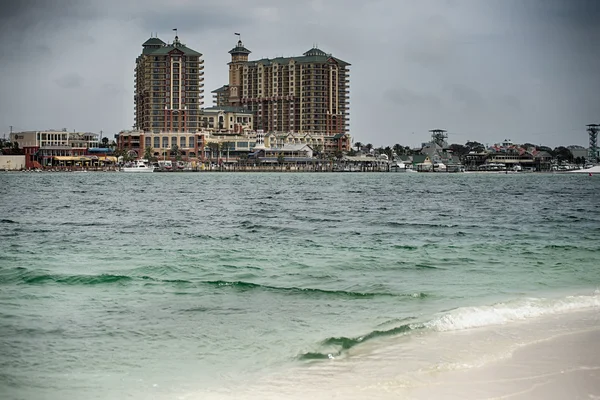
(563, 367)
(546, 358)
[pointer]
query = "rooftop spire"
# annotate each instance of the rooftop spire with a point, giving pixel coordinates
(239, 49)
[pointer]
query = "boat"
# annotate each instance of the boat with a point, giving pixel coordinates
(140, 165)
(398, 167)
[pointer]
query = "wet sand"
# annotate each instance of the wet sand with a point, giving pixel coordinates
(547, 358)
(563, 367)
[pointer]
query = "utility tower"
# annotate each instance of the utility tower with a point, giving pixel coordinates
(593, 130)
(439, 136)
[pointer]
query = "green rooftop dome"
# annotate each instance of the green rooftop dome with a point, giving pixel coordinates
(239, 49)
(315, 52)
(154, 41)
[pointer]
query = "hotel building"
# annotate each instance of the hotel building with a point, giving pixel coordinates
(304, 94)
(168, 87)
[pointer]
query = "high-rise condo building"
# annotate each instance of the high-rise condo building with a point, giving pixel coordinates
(168, 87)
(305, 94)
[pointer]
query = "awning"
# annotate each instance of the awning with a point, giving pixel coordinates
(66, 158)
(71, 158)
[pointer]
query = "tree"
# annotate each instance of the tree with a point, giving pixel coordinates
(398, 149)
(563, 154)
(175, 152)
(148, 154)
(227, 146)
(215, 148)
(459, 149)
(546, 149)
(388, 152)
(105, 142)
(129, 155)
(369, 147)
(358, 146)
(280, 159)
(475, 146)
(318, 149)
(243, 159)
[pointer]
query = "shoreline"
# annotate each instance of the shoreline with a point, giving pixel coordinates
(314, 172)
(553, 356)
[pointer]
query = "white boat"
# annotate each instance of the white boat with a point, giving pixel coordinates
(398, 167)
(139, 166)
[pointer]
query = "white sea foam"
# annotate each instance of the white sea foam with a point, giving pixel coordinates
(517, 310)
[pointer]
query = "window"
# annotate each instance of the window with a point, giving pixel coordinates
(173, 141)
(148, 141)
(165, 142)
(156, 142)
(192, 142)
(182, 142)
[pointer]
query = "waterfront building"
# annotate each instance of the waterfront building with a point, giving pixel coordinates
(297, 95)
(41, 147)
(578, 151)
(216, 122)
(296, 153)
(162, 144)
(168, 87)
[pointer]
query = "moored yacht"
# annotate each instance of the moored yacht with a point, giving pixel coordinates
(140, 165)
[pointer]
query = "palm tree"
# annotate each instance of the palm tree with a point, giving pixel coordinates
(388, 152)
(175, 152)
(147, 153)
(105, 142)
(399, 150)
(358, 146)
(214, 147)
(243, 158)
(280, 159)
(317, 148)
(369, 147)
(227, 146)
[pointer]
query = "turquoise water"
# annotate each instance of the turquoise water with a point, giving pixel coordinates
(117, 285)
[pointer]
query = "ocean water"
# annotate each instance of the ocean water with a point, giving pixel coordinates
(182, 286)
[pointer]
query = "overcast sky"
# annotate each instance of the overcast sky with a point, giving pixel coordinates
(485, 70)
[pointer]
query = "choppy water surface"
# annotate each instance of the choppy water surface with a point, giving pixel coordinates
(120, 285)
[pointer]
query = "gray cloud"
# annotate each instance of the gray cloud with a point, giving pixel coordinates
(70, 81)
(483, 70)
(407, 98)
(468, 97)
